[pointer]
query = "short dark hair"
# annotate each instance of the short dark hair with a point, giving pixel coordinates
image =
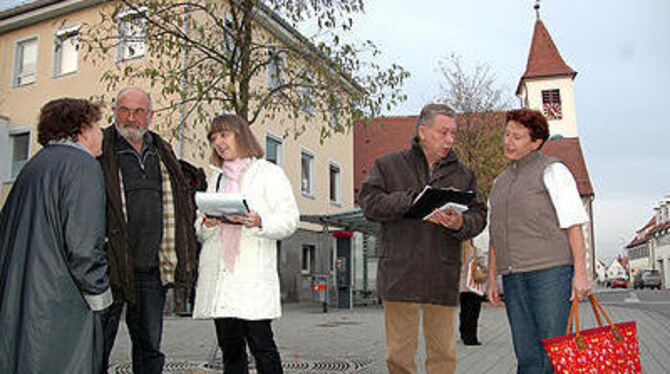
(246, 142)
(63, 118)
(430, 111)
(533, 120)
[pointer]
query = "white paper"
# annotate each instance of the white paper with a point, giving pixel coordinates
(457, 207)
(218, 204)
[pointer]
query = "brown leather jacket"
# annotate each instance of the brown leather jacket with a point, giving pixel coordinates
(419, 261)
(117, 247)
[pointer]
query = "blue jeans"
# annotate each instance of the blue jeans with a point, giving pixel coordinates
(538, 307)
(145, 325)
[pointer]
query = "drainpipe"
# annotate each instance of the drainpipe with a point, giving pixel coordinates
(182, 109)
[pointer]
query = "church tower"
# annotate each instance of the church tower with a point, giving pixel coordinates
(547, 84)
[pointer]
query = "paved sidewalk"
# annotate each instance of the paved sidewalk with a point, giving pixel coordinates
(352, 341)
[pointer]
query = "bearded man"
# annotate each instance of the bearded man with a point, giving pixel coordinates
(150, 236)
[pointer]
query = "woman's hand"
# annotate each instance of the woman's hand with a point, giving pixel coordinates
(493, 291)
(249, 220)
(581, 287)
(211, 222)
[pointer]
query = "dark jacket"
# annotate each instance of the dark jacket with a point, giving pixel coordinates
(52, 264)
(117, 245)
(419, 261)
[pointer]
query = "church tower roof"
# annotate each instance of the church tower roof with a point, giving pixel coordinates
(543, 58)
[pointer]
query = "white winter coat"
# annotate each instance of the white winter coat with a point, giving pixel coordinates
(251, 290)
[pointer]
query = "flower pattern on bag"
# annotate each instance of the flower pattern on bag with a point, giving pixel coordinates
(603, 353)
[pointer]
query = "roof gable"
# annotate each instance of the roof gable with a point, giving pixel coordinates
(570, 152)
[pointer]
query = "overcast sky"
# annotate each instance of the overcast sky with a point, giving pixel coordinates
(621, 51)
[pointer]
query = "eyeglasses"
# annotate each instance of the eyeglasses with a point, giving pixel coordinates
(125, 112)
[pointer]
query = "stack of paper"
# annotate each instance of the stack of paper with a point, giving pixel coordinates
(218, 204)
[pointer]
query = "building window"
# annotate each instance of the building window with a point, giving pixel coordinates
(275, 67)
(308, 259)
(19, 143)
(335, 183)
(66, 50)
(25, 61)
(132, 34)
(551, 104)
(274, 149)
(307, 173)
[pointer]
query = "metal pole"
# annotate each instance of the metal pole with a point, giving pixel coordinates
(184, 55)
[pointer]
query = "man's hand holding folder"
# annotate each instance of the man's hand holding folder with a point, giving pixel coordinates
(432, 198)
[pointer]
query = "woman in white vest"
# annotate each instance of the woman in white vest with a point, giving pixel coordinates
(238, 284)
(536, 237)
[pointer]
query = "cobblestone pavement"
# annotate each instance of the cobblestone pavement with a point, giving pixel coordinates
(352, 341)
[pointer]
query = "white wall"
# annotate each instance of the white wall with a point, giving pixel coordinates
(531, 92)
(663, 263)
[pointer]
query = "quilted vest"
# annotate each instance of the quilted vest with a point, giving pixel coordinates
(524, 228)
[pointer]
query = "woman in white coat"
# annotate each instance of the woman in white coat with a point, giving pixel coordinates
(238, 284)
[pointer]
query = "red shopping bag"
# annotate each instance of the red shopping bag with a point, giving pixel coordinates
(603, 350)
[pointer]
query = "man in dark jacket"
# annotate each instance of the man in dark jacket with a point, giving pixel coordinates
(419, 262)
(150, 237)
(53, 271)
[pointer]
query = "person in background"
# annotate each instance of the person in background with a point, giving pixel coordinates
(470, 301)
(420, 261)
(151, 242)
(53, 270)
(196, 179)
(238, 283)
(536, 240)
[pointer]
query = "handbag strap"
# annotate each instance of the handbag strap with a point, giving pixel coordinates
(595, 302)
(615, 330)
(597, 309)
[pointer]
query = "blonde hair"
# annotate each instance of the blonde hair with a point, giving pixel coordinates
(246, 142)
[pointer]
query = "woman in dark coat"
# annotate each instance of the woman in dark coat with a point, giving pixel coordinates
(53, 270)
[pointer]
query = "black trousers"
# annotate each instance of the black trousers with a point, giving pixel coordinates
(471, 305)
(234, 334)
(145, 324)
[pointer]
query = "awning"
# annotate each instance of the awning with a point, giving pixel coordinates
(352, 220)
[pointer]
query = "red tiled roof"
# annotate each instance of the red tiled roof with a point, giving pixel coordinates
(389, 134)
(543, 58)
(570, 152)
(645, 233)
(652, 222)
(381, 136)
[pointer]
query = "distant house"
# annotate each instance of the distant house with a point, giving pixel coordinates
(618, 268)
(601, 272)
(650, 249)
(638, 250)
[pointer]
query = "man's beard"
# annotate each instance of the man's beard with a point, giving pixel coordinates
(131, 133)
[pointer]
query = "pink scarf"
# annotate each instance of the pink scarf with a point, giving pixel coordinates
(233, 171)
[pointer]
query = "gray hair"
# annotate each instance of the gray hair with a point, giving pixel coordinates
(430, 111)
(133, 88)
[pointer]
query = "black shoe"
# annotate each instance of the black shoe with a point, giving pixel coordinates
(472, 342)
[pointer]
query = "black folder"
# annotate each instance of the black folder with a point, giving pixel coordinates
(432, 198)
